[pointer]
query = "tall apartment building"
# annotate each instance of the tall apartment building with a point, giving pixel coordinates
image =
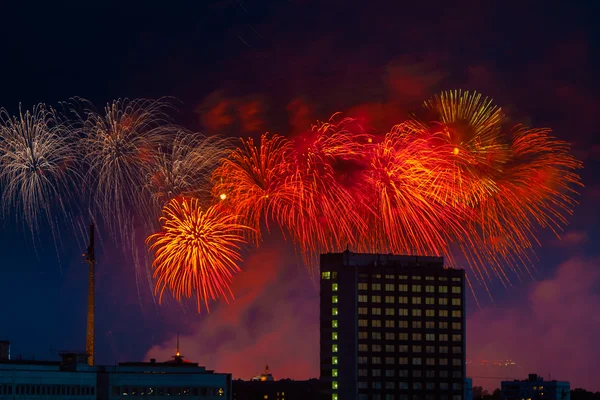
(392, 327)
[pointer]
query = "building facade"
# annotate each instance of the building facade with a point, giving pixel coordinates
(72, 378)
(535, 387)
(284, 389)
(392, 327)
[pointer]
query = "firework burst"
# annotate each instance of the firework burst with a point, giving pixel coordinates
(37, 164)
(197, 251)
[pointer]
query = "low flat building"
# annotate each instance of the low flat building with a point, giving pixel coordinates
(72, 378)
(534, 388)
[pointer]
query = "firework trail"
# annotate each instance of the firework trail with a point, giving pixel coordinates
(252, 182)
(196, 251)
(118, 147)
(38, 168)
(184, 167)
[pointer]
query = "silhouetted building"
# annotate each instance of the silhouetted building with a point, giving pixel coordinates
(4, 350)
(392, 327)
(535, 387)
(284, 389)
(73, 378)
(266, 376)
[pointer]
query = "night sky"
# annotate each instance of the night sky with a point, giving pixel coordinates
(240, 68)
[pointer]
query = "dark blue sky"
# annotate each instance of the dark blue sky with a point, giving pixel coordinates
(538, 59)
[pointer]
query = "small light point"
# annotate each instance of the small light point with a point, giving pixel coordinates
(455, 151)
(222, 196)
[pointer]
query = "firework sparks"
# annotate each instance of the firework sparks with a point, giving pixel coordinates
(196, 251)
(37, 164)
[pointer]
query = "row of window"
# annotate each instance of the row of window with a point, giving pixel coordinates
(457, 362)
(403, 312)
(406, 386)
(378, 396)
(166, 391)
(403, 373)
(428, 325)
(389, 323)
(326, 275)
(404, 348)
(363, 298)
(56, 390)
(403, 287)
(403, 336)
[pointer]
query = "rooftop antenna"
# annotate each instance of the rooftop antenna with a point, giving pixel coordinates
(177, 353)
(90, 258)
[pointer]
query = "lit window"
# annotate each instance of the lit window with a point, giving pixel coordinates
(430, 325)
(362, 298)
(334, 311)
(334, 360)
(390, 311)
(443, 278)
(334, 385)
(443, 313)
(416, 300)
(376, 323)
(443, 337)
(443, 289)
(416, 288)
(416, 313)
(389, 324)
(429, 278)
(334, 299)
(377, 276)
(376, 360)
(456, 302)
(389, 348)
(363, 310)
(363, 286)
(430, 361)
(334, 323)
(443, 325)
(389, 277)
(443, 361)
(403, 360)
(416, 324)
(444, 349)
(334, 396)
(402, 324)
(389, 336)
(456, 362)
(403, 300)
(363, 323)
(403, 288)
(416, 349)
(403, 336)
(443, 302)
(456, 279)
(325, 275)
(456, 325)
(389, 287)
(403, 348)
(429, 300)
(456, 338)
(363, 347)
(456, 313)
(376, 335)
(429, 336)
(334, 372)
(455, 289)
(376, 311)
(456, 349)
(430, 313)
(334, 336)
(429, 349)
(403, 311)
(416, 278)
(416, 336)
(430, 289)
(376, 299)
(402, 276)
(334, 275)
(416, 361)
(363, 372)
(363, 335)
(363, 360)
(376, 348)
(334, 348)
(375, 286)
(389, 299)
(334, 287)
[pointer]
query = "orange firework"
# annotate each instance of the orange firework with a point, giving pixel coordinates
(252, 182)
(196, 251)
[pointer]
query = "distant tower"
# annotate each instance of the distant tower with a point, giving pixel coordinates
(91, 260)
